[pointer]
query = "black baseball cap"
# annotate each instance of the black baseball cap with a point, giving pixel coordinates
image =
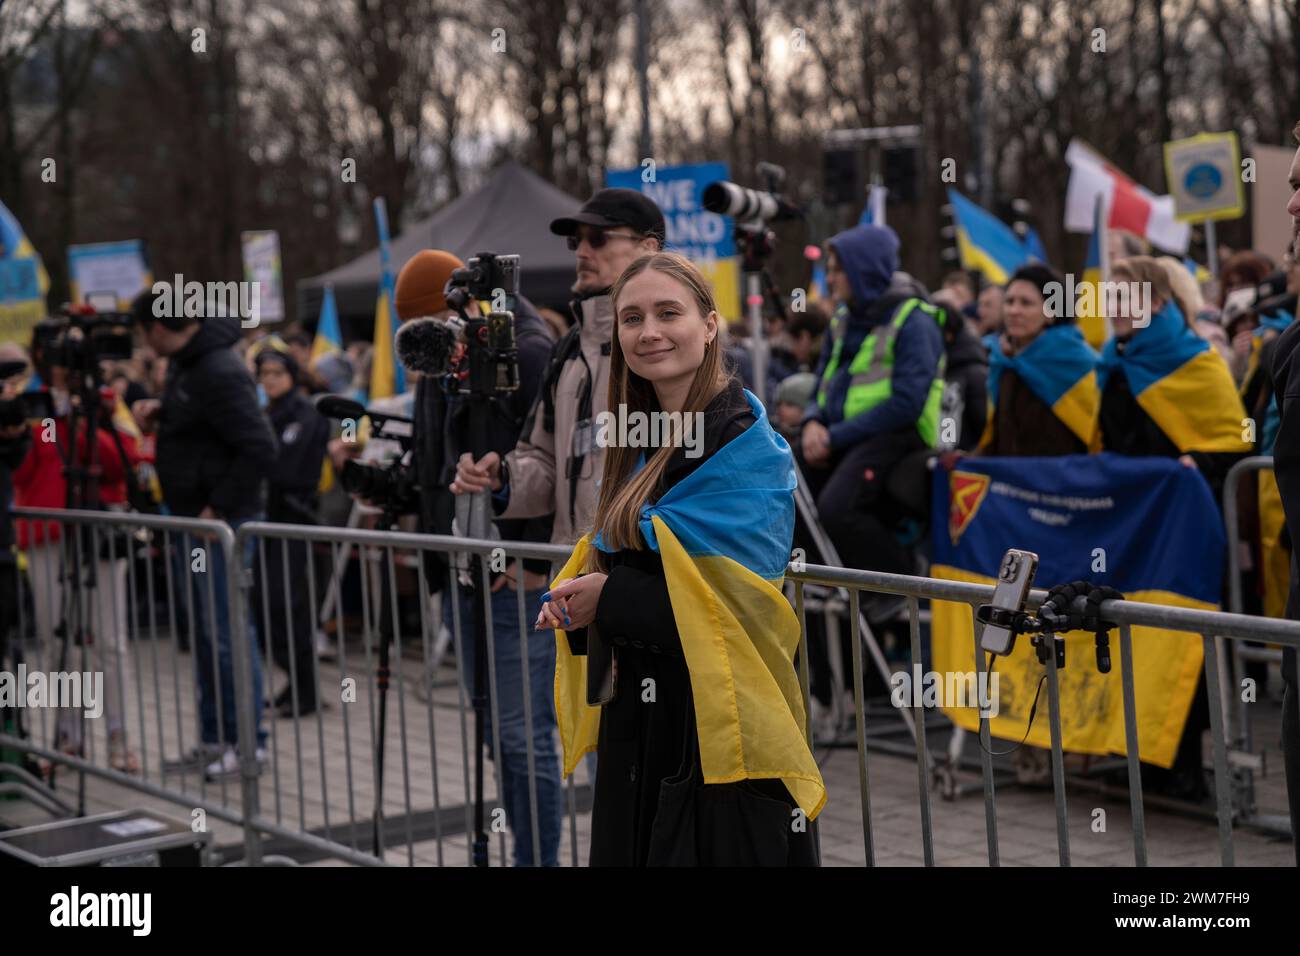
(615, 207)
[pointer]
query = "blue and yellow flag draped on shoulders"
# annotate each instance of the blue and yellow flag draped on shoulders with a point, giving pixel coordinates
(724, 533)
(1181, 382)
(1060, 368)
(1148, 527)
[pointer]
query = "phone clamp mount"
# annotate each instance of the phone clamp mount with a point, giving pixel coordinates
(1057, 615)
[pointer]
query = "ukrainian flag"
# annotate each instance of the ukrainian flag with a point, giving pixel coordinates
(1060, 368)
(724, 534)
(1181, 382)
(18, 246)
(1157, 526)
(387, 376)
(1094, 325)
(985, 242)
(329, 337)
(23, 281)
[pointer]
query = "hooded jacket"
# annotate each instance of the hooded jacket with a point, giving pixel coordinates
(869, 255)
(547, 472)
(215, 446)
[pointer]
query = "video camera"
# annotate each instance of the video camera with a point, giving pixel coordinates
(25, 406)
(393, 485)
(79, 338)
(488, 363)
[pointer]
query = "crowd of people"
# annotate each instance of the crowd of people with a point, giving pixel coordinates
(865, 388)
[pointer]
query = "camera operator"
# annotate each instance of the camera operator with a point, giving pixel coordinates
(214, 451)
(441, 430)
(95, 610)
(15, 439)
(302, 433)
(556, 464)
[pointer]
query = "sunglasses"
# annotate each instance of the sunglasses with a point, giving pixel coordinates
(597, 238)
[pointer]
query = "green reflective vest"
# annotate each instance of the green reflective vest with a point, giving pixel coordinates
(872, 369)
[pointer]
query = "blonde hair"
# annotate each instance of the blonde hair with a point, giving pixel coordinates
(1148, 270)
(622, 494)
(1184, 287)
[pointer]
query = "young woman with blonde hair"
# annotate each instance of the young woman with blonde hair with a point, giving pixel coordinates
(673, 602)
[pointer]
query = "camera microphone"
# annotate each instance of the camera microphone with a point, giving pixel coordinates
(425, 345)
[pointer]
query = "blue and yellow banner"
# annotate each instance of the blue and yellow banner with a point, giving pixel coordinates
(704, 237)
(724, 533)
(1181, 382)
(1148, 527)
(1059, 367)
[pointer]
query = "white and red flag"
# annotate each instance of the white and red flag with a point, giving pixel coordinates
(1131, 207)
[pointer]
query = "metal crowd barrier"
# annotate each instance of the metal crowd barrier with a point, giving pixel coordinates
(1246, 762)
(319, 795)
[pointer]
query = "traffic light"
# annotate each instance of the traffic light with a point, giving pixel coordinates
(901, 167)
(842, 176)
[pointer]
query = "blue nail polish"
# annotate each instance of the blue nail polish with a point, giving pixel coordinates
(546, 597)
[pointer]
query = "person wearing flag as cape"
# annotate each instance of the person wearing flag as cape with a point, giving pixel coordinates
(1173, 396)
(703, 749)
(1165, 391)
(1043, 395)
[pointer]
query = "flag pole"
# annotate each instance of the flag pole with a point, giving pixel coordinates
(1102, 219)
(1211, 249)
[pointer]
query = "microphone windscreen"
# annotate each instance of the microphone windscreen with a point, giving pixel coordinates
(339, 406)
(424, 346)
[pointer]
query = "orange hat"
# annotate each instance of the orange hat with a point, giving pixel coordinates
(421, 282)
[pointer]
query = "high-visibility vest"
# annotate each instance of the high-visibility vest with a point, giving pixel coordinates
(872, 368)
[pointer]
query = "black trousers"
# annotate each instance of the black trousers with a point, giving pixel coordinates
(1291, 745)
(287, 613)
(851, 502)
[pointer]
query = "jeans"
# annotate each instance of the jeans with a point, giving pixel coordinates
(223, 680)
(510, 711)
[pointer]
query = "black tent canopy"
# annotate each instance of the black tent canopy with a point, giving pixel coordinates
(510, 213)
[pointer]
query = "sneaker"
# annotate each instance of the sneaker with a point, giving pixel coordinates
(227, 765)
(325, 649)
(197, 756)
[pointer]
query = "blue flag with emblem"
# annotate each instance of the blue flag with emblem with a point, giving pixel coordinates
(1148, 527)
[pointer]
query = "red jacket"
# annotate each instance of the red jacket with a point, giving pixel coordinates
(38, 481)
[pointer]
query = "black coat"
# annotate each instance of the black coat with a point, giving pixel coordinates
(1286, 466)
(1024, 426)
(967, 377)
(642, 744)
(302, 434)
(215, 446)
(442, 435)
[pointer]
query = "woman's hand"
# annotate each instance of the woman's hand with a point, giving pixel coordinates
(816, 439)
(572, 602)
(472, 476)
